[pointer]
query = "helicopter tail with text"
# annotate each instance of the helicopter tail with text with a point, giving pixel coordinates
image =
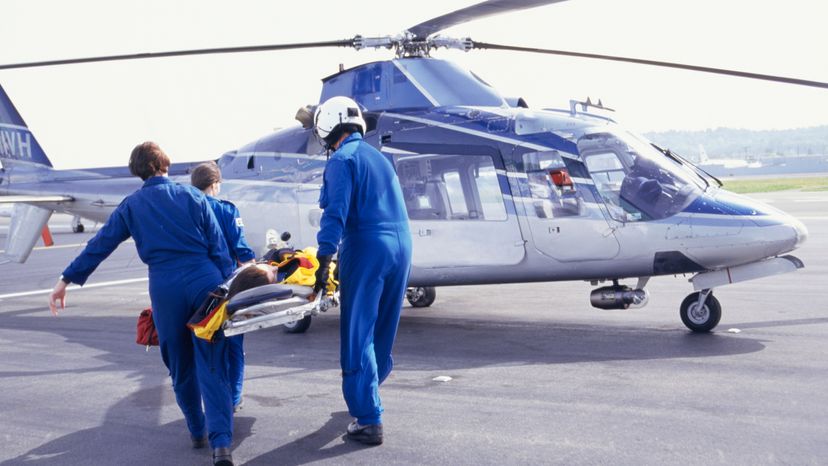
(17, 143)
(21, 153)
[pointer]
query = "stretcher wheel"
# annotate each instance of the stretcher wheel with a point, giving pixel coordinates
(299, 326)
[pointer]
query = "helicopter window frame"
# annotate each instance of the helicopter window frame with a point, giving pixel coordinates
(653, 186)
(607, 184)
(449, 187)
(546, 199)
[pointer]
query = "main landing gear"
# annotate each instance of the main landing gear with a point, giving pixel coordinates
(298, 326)
(77, 226)
(422, 296)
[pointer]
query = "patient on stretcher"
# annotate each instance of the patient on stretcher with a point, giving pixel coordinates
(251, 277)
(257, 284)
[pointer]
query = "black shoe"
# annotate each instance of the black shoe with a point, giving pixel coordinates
(222, 457)
(369, 435)
(199, 442)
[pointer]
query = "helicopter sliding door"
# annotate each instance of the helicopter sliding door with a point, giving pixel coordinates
(456, 208)
(567, 223)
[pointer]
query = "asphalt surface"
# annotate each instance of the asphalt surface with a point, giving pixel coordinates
(538, 376)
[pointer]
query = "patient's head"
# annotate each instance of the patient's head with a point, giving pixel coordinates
(251, 277)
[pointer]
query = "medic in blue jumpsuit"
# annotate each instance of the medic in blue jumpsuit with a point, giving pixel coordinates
(178, 237)
(207, 178)
(365, 211)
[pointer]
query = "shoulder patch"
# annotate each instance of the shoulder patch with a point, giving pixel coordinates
(239, 222)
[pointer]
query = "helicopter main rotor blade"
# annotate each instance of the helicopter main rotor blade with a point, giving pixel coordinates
(480, 10)
(180, 53)
(704, 69)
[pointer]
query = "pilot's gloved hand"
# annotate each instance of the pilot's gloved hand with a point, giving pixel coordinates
(322, 273)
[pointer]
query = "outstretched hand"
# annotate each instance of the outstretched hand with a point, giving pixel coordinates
(57, 296)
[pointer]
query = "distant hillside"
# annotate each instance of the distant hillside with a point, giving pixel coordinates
(743, 143)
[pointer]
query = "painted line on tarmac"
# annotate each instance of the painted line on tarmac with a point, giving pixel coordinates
(63, 246)
(75, 287)
(57, 246)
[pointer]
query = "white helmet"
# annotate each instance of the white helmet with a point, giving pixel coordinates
(333, 114)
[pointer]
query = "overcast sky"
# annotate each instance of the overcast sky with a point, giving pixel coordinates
(200, 107)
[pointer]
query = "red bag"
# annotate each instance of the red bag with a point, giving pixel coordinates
(146, 333)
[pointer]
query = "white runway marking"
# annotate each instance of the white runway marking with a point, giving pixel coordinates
(64, 246)
(57, 246)
(74, 287)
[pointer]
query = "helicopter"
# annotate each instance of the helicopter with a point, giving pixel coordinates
(496, 192)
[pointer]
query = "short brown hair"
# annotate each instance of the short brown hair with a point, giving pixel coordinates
(250, 277)
(204, 175)
(147, 159)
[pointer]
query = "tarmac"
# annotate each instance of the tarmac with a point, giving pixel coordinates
(537, 376)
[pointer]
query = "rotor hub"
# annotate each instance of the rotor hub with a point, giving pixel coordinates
(407, 45)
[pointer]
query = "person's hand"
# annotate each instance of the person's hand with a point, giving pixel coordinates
(322, 273)
(58, 295)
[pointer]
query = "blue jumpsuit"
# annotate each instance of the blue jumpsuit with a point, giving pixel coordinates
(231, 224)
(364, 209)
(178, 237)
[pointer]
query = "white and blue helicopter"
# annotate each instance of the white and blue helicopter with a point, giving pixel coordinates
(496, 192)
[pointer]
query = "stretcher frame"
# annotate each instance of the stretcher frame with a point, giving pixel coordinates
(279, 312)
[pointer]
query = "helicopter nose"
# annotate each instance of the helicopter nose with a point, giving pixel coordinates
(801, 231)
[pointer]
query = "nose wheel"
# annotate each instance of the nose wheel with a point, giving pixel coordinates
(701, 311)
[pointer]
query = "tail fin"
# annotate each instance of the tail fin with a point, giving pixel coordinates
(16, 141)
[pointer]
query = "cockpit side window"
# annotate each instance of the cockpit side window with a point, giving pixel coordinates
(608, 173)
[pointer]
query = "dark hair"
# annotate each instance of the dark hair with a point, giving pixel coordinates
(341, 129)
(250, 277)
(204, 175)
(147, 159)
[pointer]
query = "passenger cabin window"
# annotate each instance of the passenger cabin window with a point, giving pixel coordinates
(450, 187)
(552, 192)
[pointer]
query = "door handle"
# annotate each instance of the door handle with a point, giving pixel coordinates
(425, 232)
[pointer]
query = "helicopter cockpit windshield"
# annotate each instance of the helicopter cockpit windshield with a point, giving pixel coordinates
(635, 180)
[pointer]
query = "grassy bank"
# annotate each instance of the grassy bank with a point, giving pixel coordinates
(764, 185)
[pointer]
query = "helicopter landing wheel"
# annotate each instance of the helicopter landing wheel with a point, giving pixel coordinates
(422, 296)
(298, 326)
(700, 318)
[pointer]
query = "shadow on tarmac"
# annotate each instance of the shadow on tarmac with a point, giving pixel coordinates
(131, 431)
(311, 447)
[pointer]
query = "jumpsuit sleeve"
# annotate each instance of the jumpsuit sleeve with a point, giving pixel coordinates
(241, 250)
(335, 200)
(216, 245)
(113, 233)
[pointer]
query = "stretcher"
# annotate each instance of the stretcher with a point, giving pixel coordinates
(271, 305)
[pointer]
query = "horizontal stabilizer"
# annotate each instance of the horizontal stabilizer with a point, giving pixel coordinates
(27, 223)
(34, 199)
